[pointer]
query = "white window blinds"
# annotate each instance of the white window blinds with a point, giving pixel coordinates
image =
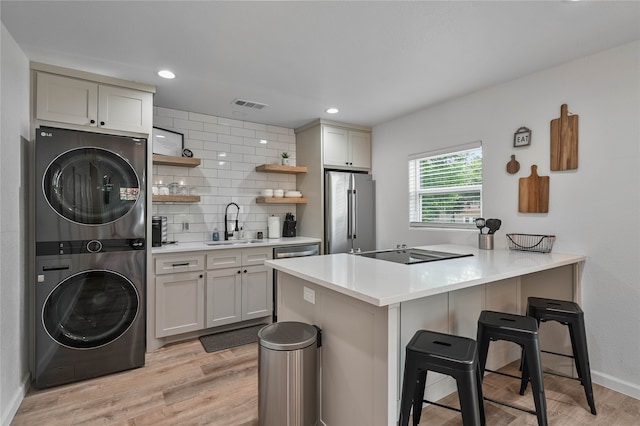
(445, 188)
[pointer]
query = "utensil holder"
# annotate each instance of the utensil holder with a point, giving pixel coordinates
(485, 241)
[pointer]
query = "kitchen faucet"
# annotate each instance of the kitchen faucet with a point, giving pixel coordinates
(228, 234)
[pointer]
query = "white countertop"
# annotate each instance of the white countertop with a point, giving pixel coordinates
(382, 283)
(200, 246)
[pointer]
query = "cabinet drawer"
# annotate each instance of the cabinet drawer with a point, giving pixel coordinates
(179, 263)
(217, 259)
(256, 256)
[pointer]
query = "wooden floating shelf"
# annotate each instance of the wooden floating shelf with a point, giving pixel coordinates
(282, 200)
(277, 168)
(168, 160)
(176, 198)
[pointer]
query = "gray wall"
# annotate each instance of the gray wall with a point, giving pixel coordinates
(593, 210)
(14, 132)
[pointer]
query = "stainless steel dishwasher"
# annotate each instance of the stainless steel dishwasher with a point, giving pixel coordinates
(285, 252)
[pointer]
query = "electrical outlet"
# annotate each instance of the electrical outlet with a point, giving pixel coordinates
(309, 295)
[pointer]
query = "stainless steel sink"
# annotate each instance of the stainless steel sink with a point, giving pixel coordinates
(233, 242)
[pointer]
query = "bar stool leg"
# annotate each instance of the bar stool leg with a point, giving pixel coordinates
(483, 350)
(418, 396)
(581, 356)
(408, 388)
(471, 404)
(534, 370)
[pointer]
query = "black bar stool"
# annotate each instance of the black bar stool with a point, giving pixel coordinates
(446, 354)
(571, 315)
(523, 331)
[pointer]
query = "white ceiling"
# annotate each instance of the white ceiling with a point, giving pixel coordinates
(373, 60)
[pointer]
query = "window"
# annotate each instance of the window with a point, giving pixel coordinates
(445, 187)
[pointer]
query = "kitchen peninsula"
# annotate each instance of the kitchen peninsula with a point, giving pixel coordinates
(369, 309)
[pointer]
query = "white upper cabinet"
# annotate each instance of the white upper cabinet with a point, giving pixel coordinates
(360, 146)
(124, 109)
(80, 102)
(67, 100)
(345, 148)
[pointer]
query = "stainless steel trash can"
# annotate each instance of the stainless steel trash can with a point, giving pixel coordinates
(288, 374)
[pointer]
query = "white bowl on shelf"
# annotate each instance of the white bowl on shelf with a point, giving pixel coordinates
(278, 193)
(293, 194)
(267, 192)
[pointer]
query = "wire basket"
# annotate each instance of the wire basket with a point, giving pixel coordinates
(531, 242)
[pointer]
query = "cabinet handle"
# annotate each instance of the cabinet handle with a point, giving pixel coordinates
(180, 264)
(102, 123)
(201, 275)
(245, 271)
(239, 272)
(92, 121)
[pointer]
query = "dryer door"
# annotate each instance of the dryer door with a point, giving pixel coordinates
(90, 309)
(91, 186)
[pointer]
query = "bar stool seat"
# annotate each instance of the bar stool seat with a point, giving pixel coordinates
(569, 314)
(446, 354)
(523, 331)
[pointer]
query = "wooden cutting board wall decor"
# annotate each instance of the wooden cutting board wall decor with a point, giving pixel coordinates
(533, 194)
(564, 141)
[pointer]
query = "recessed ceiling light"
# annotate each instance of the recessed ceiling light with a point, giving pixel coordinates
(166, 74)
(263, 141)
(332, 110)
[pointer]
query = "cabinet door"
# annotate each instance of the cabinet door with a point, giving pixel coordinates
(66, 100)
(124, 109)
(360, 145)
(257, 292)
(179, 303)
(224, 296)
(335, 145)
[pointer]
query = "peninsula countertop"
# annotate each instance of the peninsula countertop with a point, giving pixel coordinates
(383, 283)
(233, 244)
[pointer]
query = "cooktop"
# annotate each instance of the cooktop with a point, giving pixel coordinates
(409, 256)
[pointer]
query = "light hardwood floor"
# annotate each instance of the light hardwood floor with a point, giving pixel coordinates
(181, 384)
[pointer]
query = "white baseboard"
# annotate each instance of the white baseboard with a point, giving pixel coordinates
(16, 400)
(616, 384)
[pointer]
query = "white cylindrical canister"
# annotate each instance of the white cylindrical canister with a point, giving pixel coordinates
(273, 224)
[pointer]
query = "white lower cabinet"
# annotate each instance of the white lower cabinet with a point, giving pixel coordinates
(179, 306)
(234, 287)
(257, 292)
(240, 293)
(224, 296)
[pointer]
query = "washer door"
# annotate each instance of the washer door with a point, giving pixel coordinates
(91, 186)
(90, 309)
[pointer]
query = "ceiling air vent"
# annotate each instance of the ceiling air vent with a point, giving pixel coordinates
(249, 104)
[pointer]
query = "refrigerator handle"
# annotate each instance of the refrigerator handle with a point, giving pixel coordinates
(354, 214)
(349, 214)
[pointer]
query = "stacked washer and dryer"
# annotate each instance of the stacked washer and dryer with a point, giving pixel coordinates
(90, 255)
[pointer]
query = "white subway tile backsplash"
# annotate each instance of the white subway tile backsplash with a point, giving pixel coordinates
(167, 112)
(230, 122)
(220, 129)
(194, 116)
(229, 151)
(162, 122)
(203, 136)
(248, 133)
(277, 129)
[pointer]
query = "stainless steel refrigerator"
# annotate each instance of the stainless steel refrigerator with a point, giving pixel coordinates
(349, 219)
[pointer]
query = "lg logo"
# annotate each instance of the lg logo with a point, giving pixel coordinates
(45, 134)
